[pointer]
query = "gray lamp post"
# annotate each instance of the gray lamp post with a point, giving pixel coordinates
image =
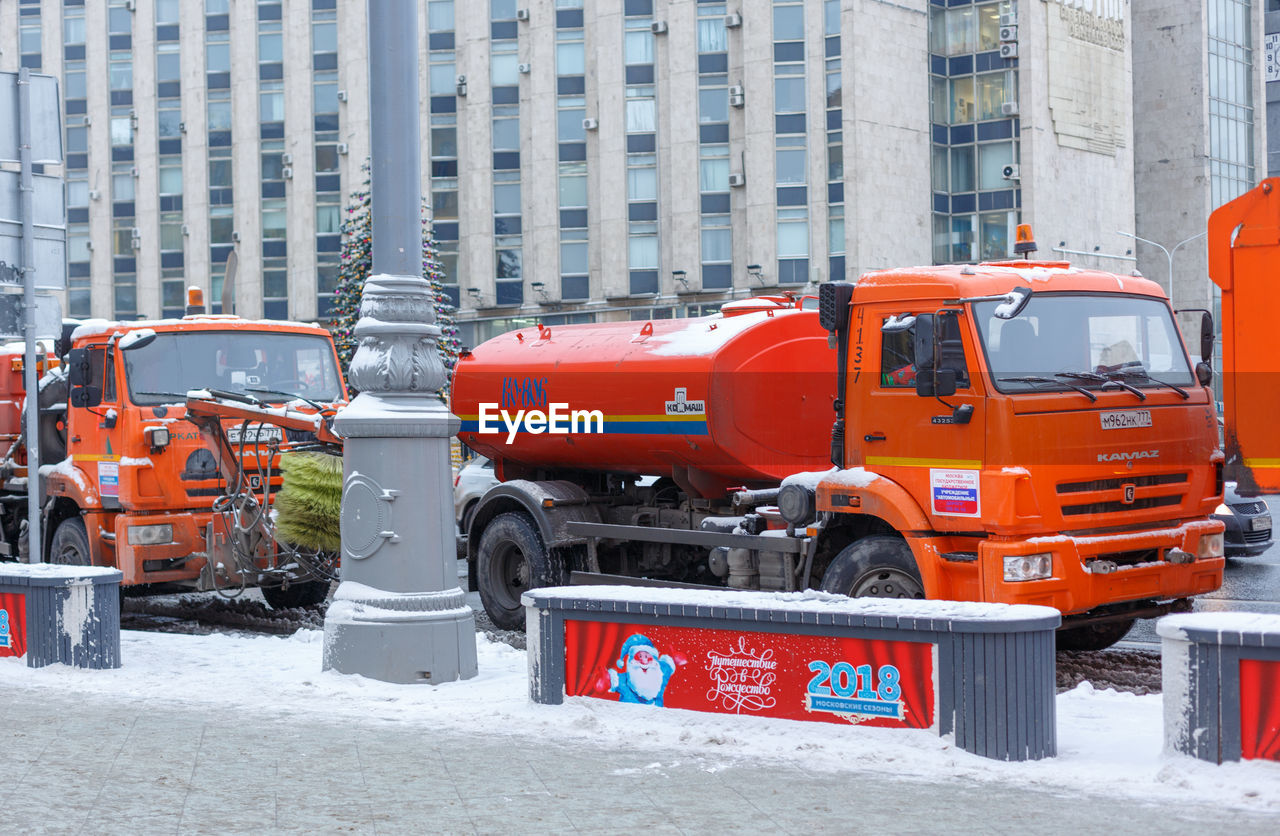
(399, 614)
(1168, 253)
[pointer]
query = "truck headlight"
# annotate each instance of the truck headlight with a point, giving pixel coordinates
(1028, 567)
(1210, 545)
(150, 535)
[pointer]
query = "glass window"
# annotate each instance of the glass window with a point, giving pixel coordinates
(989, 26)
(324, 37)
(274, 219)
(717, 245)
(992, 158)
(642, 252)
(77, 193)
(573, 257)
(270, 47)
(831, 17)
(793, 236)
(271, 107)
(941, 178)
(962, 179)
(569, 59)
(835, 231)
(170, 179)
(121, 130)
(995, 235)
(713, 105)
(74, 85)
(639, 47)
(962, 108)
(218, 57)
(440, 15)
(835, 157)
(994, 89)
(171, 236)
(220, 116)
(791, 166)
(570, 125)
(272, 165)
(642, 184)
(506, 134)
(326, 157)
(119, 21)
(219, 173)
(328, 218)
(963, 238)
(835, 92)
(788, 94)
(443, 79)
(121, 74)
(788, 23)
(509, 263)
(168, 63)
(506, 199)
(504, 69)
(573, 190)
(714, 175)
(640, 116)
(326, 97)
(962, 31)
(122, 186)
(73, 30)
(712, 36)
(77, 140)
(444, 143)
(167, 11)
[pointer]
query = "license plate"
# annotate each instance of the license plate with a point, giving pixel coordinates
(1125, 420)
(254, 435)
(1260, 523)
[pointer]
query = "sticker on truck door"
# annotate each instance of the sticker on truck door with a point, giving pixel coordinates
(955, 493)
(108, 478)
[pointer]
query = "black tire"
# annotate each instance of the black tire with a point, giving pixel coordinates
(298, 594)
(512, 560)
(874, 567)
(70, 546)
(1094, 636)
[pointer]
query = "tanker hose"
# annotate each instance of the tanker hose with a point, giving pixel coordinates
(750, 499)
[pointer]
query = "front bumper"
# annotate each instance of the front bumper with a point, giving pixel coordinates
(1141, 571)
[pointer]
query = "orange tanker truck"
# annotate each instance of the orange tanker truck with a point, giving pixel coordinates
(1014, 432)
(167, 484)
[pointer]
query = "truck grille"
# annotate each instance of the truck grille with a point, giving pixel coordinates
(1118, 507)
(1115, 484)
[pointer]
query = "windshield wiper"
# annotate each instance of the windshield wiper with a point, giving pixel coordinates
(1107, 381)
(234, 396)
(1035, 379)
(164, 395)
(292, 395)
(1141, 370)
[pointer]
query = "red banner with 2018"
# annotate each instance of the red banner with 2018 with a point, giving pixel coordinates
(839, 680)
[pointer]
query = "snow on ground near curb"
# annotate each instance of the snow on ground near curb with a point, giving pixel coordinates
(1109, 743)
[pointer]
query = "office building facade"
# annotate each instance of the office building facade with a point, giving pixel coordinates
(586, 159)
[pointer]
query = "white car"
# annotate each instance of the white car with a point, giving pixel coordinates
(472, 482)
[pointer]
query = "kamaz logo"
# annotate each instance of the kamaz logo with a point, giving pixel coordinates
(1129, 456)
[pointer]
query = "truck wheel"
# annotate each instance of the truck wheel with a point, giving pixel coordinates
(299, 594)
(512, 559)
(1094, 636)
(874, 567)
(70, 543)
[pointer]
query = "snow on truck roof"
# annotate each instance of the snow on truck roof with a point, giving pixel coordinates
(996, 277)
(90, 328)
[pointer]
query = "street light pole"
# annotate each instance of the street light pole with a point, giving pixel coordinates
(1168, 253)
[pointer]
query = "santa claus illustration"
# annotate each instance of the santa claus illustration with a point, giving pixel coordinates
(643, 674)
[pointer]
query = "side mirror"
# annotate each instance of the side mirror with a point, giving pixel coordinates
(1204, 373)
(934, 354)
(1206, 337)
(79, 373)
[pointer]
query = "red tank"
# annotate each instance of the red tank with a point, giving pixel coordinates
(743, 397)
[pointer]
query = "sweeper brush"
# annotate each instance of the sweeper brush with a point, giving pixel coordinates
(308, 507)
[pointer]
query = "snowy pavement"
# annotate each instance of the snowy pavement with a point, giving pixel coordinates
(1110, 744)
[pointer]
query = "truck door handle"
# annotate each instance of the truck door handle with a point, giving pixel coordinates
(874, 437)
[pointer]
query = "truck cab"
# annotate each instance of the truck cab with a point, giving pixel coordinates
(1036, 433)
(137, 483)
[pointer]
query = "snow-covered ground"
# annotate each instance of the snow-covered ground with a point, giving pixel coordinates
(1109, 743)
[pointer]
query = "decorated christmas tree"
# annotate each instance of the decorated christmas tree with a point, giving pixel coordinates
(354, 267)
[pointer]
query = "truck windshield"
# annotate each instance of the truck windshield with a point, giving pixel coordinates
(241, 361)
(1077, 340)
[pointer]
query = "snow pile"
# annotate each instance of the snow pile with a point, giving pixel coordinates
(1109, 743)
